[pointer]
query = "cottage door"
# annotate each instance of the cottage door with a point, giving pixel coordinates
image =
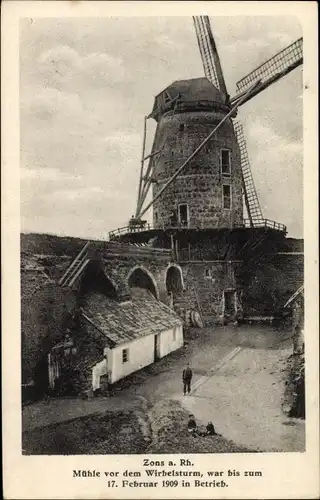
(54, 369)
(157, 347)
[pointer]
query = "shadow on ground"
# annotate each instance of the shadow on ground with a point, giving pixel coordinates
(107, 433)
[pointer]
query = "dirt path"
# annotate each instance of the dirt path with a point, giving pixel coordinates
(243, 399)
(158, 381)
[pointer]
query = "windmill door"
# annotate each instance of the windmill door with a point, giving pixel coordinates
(230, 304)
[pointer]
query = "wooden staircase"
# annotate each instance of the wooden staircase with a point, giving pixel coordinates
(199, 305)
(183, 305)
(76, 267)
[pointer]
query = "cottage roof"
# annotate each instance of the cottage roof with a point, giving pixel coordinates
(122, 322)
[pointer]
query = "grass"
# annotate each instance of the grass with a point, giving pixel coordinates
(161, 430)
(107, 433)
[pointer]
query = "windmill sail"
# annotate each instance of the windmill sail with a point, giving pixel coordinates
(209, 54)
(272, 70)
(213, 71)
(249, 189)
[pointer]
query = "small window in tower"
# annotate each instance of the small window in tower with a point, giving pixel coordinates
(183, 215)
(207, 273)
(226, 197)
(225, 162)
(156, 216)
(181, 127)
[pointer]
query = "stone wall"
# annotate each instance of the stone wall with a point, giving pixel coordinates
(47, 309)
(120, 268)
(208, 289)
(294, 397)
(45, 313)
(272, 282)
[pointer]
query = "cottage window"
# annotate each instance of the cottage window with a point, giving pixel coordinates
(225, 162)
(125, 355)
(181, 127)
(226, 197)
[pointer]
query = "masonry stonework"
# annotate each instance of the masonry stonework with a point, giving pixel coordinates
(205, 283)
(200, 185)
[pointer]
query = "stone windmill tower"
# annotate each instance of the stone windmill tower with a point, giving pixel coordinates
(208, 193)
(201, 179)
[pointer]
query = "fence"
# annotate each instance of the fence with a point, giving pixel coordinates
(138, 228)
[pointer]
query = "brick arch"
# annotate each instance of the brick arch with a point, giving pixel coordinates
(96, 279)
(141, 277)
(174, 279)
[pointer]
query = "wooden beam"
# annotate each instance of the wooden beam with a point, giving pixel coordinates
(147, 184)
(84, 264)
(145, 187)
(142, 161)
(166, 106)
(152, 154)
(147, 181)
(75, 262)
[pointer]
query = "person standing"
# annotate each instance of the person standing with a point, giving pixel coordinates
(186, 378)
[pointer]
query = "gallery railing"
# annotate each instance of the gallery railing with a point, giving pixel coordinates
(147, 226)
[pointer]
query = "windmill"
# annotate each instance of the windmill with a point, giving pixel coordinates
(199, 172)
(170, 99)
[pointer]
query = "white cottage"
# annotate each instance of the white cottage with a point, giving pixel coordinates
(136, 333)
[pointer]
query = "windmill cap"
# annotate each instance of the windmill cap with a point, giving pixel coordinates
(197, 89)
(190, 91)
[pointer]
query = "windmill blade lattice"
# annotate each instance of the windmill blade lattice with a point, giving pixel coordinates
(250, 193)
(209, 54)
(272, 70)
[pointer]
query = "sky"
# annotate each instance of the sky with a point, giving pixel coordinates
(85, 87)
